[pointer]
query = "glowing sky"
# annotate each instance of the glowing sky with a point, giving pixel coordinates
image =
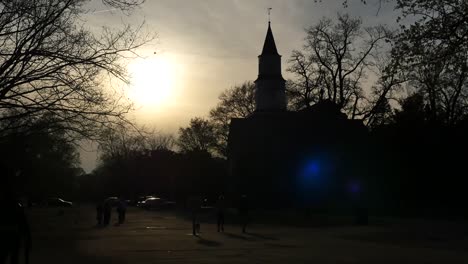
(211, 45)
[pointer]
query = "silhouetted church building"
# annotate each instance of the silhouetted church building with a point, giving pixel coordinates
(284, 158)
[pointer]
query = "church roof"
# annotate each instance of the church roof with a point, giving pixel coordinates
(324, 108)
(269, 47)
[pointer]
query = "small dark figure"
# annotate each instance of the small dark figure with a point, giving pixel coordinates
(14, 232)
(107, 212)
(244, 212)
(121, 210)
(124, 210)
(220, 208)
(194, 204)
(99, 213)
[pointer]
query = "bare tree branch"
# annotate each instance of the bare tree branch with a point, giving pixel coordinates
(336, 58)
(50, 65)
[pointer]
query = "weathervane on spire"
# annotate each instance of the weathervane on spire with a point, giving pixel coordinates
(269, 9)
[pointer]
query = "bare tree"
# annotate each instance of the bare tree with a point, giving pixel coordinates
(52, 66)
(121, 143)
(346, 3)
(235, 102)
(335, 62)
(239, 100)
(441, 25)
(379, 3)
(389, 87)
(160, 141)
(310, 83)
(433, 51)
(124, 5)
(198, 136)
(127, 141)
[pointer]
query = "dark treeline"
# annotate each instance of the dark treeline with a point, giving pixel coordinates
(137, 163)
(164, 173)
(418, 165)
(40, 164)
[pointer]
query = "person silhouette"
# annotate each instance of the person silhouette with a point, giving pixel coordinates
(244, 212)
(220, 212)
(99, 213)
(194, 204)
(107, 212)
(14, 231)
(121, 210)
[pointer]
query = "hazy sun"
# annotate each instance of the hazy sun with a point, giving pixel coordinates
(152, 81)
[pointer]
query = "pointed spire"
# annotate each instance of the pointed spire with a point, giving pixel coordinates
(269, 13)
(269, 47)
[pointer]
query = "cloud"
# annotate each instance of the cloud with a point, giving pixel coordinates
(218, 41)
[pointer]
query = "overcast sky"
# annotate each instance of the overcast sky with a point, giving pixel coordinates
(214, 44)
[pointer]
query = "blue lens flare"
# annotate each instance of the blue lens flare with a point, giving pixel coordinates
(354, 187)
(312, 181)
(311, 173)
(312, 169)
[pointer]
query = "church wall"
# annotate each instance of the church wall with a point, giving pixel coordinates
(295, 160)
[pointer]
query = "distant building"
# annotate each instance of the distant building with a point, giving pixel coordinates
(285, 158)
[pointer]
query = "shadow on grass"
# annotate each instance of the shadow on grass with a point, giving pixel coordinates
(260, 236)
(274, 245)
(236, 236)
(208, 243)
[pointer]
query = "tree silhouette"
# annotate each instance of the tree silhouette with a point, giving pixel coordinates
(199, 136)
(40, 164)
(160, 141)
(433, 53)
(125, 141)
(121, 143)
(235, 102)
(413, 111)
(124, 5)
(334, 63)
(51, 64)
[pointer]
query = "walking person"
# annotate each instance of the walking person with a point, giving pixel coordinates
(107, 212)
(220, 212)
(15, 233)
(244, 212)
(124, 210)
(194, 204)
(99, 213)
(121, 210)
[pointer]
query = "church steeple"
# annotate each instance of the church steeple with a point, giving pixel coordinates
(269, 47)
(270, 92)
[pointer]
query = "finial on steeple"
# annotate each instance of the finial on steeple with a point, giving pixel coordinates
(269, 47)
(269, 9)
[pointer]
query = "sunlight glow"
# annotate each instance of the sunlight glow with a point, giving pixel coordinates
(153, 81)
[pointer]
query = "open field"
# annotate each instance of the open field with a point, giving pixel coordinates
(165, 237)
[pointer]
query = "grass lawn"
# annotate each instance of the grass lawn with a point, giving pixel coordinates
(165, 237)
